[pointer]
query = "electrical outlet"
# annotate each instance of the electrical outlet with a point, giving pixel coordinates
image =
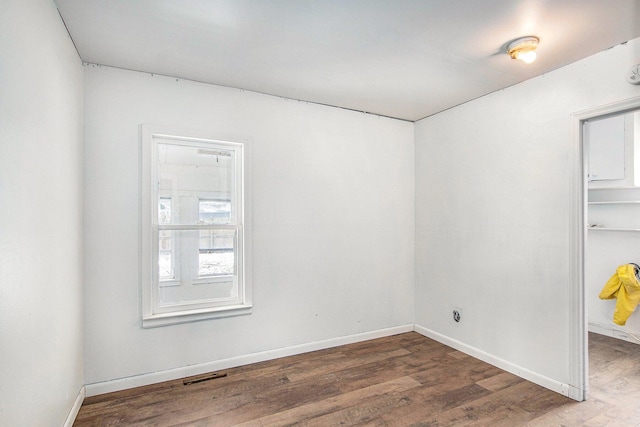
(457, 314)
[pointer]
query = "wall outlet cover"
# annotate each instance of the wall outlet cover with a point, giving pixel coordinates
(457, 314)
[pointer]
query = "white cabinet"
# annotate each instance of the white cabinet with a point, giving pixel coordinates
(606, 141)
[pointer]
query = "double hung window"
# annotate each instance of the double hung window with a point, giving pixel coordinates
(192, 228)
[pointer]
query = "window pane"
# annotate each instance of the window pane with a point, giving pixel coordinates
(192, 174)
(216, 255)
(164, 210)
(206, 273)
(214, 211)
(166, 269)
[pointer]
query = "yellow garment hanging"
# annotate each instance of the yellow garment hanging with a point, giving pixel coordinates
(624, 286)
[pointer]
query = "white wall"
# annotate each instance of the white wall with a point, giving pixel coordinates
(333, 222)
(41, 367)
(493, 213)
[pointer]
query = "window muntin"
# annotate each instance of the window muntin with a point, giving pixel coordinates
(194, 227)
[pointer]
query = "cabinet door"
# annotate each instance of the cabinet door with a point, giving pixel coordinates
(605, 138)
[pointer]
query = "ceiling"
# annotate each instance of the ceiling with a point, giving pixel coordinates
(406, 59)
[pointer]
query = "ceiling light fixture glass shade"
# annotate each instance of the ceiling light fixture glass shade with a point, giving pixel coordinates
(523, 49)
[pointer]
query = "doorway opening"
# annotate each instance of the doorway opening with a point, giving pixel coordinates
(606, 231)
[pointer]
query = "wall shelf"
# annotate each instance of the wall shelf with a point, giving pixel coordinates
(612, 229)
(616, 202)
(627, 187)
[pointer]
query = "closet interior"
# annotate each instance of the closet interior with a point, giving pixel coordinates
(612, 156)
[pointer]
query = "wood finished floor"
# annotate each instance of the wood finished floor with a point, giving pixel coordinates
(402, 380)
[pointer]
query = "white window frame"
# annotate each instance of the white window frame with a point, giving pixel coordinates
(152, 314)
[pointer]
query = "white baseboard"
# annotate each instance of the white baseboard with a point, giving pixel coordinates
(528, 375)
(71, 418)
(217, 365)
(613, 332)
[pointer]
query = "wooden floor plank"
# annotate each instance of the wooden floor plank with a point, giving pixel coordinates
(500, 381)
(507, 406)
(347, 363)
(322, 407)
(367, 410)
(400, 380)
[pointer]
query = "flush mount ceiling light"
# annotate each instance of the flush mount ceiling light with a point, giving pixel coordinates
(524, 49)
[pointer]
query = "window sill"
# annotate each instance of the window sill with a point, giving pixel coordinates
(178, 317)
